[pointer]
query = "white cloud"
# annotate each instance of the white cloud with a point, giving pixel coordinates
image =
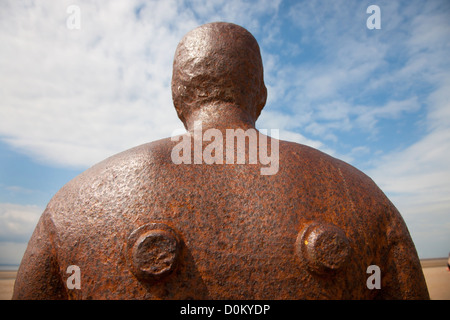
(420, 168)
(18, 221)
(417, 178)
(237, 11)
(298, 138)
(417, 181)
(368, 116)
(19, 189)
(74, 97)
(11, 253)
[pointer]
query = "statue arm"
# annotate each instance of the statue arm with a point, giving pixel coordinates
(403, 273)
(38, 277)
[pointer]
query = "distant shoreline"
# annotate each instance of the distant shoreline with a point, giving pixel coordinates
(433, 262)
(9, 267)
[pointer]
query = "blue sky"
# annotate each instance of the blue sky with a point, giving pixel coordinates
(378, 99)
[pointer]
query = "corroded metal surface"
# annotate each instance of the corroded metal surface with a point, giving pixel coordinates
(140, 226)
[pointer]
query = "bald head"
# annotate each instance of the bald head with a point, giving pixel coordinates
(218, 63)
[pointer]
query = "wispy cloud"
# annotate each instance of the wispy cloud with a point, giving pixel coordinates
(11, 253)
(19, 189)
(18, 221)
(368, 116)
(417, 181)
(74, 97)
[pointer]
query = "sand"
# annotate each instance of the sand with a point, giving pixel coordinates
(7, 279)
(438, 282)
(436, 275)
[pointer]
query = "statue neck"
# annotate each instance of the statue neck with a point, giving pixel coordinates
(220, 116)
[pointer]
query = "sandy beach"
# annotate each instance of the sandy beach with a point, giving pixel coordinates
(437, 277)
(435, 271)
(7, 279)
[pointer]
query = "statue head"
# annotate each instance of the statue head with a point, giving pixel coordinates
(218, 64)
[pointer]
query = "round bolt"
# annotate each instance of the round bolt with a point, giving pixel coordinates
(153, 251)
(323, 247)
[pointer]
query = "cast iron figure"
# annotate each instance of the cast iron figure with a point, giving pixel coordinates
(139, 226)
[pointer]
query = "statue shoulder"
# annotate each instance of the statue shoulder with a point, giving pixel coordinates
(325, 172)
(110, 180)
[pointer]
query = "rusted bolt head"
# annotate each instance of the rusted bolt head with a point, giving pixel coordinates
(153, 251)
(324, 248)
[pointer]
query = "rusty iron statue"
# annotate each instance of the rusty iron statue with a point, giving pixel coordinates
(140, 225)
